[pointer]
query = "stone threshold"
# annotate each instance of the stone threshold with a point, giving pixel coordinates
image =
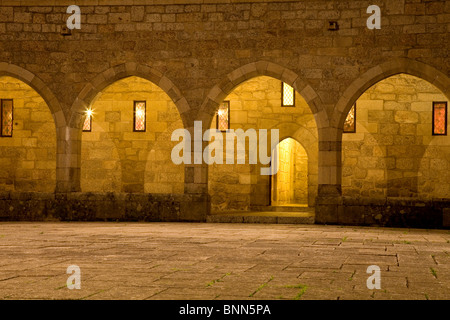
(268, 217)
(283, 208)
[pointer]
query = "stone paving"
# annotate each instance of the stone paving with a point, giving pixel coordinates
(221, 261)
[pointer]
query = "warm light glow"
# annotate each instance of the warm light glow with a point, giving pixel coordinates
(88, 120)
(139, 116)
(288, 95)
(6, 116)
(140, 113)
(440, 118)
(223, 116)
(350, 121)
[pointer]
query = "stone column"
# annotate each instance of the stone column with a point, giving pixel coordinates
(198, 204)
(329, 200)
(68, 166)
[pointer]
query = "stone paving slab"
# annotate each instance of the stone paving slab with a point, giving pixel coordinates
(193, 261)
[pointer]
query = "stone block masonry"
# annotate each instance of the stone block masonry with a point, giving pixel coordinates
(393, 153)
(34, 206)
(116, 159)
(28, 158)
(257, 104)
(197, 52)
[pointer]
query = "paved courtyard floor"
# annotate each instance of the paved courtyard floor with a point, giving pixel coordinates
(221, 261)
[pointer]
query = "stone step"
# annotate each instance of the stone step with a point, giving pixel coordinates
(270, 217)
(285, 208)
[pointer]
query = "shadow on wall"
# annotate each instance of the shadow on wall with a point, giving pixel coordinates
(393, 153)
(117, 159)
(28, 158)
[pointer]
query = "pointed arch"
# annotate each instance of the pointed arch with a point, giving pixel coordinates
(255, 69)
(383, 71)
(290, 185)
(301, 134)
(113, 74)
(39, 146)
(309, 143)
(11, 70)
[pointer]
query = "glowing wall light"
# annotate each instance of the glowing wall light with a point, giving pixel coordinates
(440, 118)
(140, 116)
(287, 95)
(350, 121)
(223, 116)
(6, 117)
(87, 125)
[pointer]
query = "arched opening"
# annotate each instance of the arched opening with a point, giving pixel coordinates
(393, 152)
(28, 139)
(289, 186)
(129, 145)
(256, 104)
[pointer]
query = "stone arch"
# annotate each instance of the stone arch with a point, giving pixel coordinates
(114, 158)
(108, 77)
(88, 94)
(199, 182)
(330, 148)
(8, 69)
(29, 156)
(383, 71)
(310, 143)
(301, 134)
(258, 192)
(255, 69)
(384, 158)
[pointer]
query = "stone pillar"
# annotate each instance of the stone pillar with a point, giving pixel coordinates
(196, 179)
(329, 200)
(196, 183)
(68, 165)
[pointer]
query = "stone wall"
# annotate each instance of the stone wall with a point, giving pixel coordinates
(300, 176)
(198, 51)
(395, 212)
(256, 104)
(35, 206)
(114, 158)
(28, 158)
(393, 152)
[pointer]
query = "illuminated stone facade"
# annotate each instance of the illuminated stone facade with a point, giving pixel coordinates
(197, 53)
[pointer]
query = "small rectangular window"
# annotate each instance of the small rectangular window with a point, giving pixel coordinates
(440, 118)
(287, 95)
(6, 117)
(140, 116)
(350, 121)
(223, 116)
(87, 125)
